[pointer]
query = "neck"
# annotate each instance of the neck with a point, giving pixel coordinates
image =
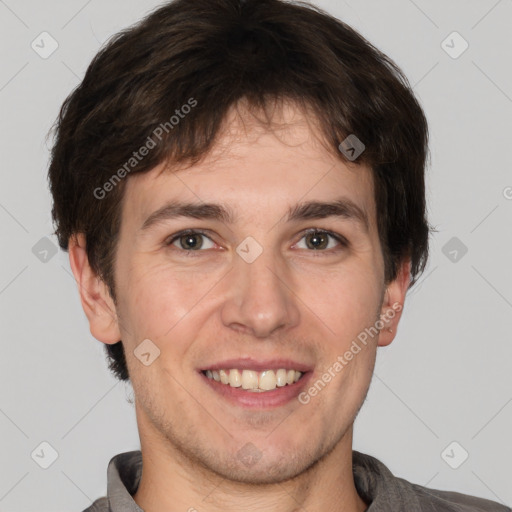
(171, 481)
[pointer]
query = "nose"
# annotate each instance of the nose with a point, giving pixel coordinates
(260, 298)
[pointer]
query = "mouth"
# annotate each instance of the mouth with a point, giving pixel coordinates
(257, 385)
(254, 381)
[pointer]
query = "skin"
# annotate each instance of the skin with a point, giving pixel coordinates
(292, 302)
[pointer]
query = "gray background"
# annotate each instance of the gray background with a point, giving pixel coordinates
(445, 378)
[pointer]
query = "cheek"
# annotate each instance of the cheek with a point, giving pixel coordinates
(346, 298)
(158, 302)
(157, 308)
(148, 301)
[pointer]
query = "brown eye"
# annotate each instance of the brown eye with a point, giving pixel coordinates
(317, 240)
(320, 240)
(190, 241)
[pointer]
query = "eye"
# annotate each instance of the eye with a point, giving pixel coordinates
(318, 240)
(190, 240)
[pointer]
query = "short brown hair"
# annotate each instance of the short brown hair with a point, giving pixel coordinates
(216, 53)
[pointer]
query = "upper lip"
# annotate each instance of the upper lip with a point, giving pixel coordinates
(258, 365)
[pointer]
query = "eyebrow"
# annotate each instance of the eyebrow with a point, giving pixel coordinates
(342, 208)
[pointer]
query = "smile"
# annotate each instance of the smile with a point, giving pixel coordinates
(257, 388)
(255, 381)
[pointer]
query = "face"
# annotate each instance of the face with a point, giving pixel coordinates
(273, 290)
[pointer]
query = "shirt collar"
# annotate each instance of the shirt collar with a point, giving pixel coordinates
(378, 486)
(123, 477)
(373, 480)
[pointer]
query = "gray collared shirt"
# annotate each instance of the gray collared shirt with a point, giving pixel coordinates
(374, 482)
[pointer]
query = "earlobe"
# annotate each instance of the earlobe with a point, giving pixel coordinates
(94, 295)
(393, 304)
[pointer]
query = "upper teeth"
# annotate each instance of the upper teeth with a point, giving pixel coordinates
(255, 381)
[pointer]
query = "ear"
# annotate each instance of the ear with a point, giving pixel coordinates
(94, 295)
(393, 303)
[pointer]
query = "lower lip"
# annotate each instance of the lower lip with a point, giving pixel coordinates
(261, 400)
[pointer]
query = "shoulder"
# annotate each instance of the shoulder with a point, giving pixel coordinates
(451, 501)
(100, 505)
(384, 491)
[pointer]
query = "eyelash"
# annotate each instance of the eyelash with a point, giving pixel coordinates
(340, 239)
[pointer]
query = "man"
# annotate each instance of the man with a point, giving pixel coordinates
(240, 186)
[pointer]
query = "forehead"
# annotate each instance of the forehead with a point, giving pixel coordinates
(254, 167)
